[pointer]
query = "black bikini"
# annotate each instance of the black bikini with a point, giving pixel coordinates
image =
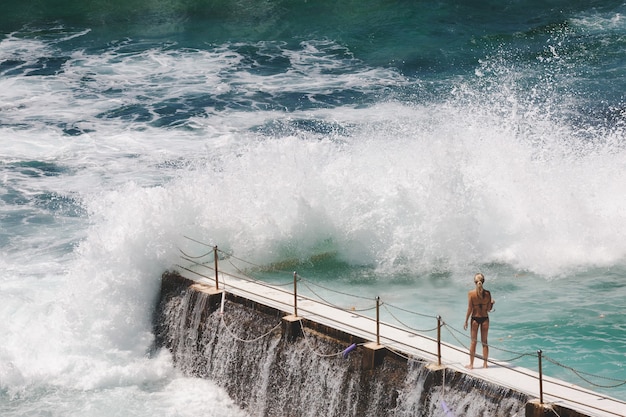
(481, 320)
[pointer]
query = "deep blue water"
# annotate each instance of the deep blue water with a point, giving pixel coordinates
(414, 142)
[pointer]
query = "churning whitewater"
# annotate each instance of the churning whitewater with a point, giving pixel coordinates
(385, 150)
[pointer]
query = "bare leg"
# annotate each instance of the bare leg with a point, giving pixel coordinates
(484, 330)
(474, 340)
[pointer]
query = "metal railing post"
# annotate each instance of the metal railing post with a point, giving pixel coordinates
(295, 293)
(540, 378)
(439, 340)
(378, 320)
(216, 270)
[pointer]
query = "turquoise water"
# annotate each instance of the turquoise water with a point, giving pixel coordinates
(391, 148)
(579, 335)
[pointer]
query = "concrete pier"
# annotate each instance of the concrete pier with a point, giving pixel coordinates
(388, 358)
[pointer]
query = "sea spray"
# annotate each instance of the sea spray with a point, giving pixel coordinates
(450, 137)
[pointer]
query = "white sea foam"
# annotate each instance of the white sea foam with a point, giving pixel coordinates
(473, 180)
(402, 188)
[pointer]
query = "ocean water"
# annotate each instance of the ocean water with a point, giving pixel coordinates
(380, 148)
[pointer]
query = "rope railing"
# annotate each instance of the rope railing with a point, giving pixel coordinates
(352, 308)
(360, 297)
(406, 325)
(393, 344)
(618, 382)
(224, 273)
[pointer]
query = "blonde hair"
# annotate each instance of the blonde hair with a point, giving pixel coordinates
(480, 290)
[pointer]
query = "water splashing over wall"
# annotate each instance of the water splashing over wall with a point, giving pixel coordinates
(268, 374)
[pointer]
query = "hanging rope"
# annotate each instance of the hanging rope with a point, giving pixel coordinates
(402, 355)
(406, 325)
(195, 257)
(520, 354)
(413, 312)
(334, 305)
(264, 268)
(197, 241)
(451, 330)
(247, 275)
(580, 374)
(241, 271)
(336, 291)
(306, 341)
(231, 256)
(234, 336)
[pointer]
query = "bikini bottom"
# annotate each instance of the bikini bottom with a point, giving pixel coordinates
(480, 320)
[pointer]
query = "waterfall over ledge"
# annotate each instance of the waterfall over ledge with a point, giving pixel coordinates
(268, 372)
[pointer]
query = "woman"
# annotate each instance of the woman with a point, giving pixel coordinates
(479, 303)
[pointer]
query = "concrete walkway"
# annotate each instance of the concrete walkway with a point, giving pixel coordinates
(407, 342)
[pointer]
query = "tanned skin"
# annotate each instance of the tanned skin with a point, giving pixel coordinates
(479, 304)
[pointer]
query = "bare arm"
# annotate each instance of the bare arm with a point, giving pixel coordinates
(469, 309)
